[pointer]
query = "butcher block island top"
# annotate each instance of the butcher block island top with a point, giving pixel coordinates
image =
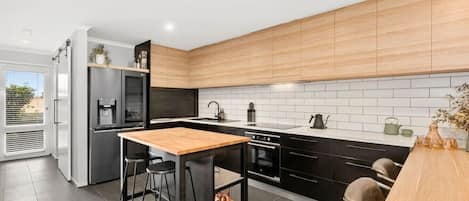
(180, 141)
(433, 175)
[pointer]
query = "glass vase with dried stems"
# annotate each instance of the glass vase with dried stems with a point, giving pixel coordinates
(458, 114)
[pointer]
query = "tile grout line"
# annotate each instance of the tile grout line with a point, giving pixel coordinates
(32, 181)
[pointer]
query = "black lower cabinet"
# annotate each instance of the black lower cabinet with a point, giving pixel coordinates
(308, 162)
(347, 170)
(314, 187)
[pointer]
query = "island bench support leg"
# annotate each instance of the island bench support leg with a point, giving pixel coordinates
(124, 193)
(244, 173)
(180, 178)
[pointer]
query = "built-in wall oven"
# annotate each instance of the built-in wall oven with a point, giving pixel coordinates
(264, 155)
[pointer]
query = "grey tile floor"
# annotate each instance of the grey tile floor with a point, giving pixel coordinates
(38, 179)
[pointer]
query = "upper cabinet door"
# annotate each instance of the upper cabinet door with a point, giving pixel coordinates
(287, 52)
(158, 74)
(355, 40)
(450, 35)
(317, 42)
(404, 37)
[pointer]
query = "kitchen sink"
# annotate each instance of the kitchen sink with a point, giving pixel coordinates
(215, 120)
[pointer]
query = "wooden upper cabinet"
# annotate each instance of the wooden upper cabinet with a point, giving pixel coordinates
(169, 67)
(404, 37)
(286, 45)
(252, 59)
(450, 35)
(317, 33)
(355, 40)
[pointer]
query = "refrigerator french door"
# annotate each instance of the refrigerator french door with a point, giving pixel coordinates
(117, 103)
(63, 111)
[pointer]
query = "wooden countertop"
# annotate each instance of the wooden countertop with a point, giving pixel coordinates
(433, 175)
(180, 141)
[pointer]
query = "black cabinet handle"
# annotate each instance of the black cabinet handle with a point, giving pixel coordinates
(304, 179)
(304, 140)
(366, 148)
(357, 165)
(303, 155)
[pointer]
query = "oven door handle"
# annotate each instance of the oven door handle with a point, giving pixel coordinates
(261, 145)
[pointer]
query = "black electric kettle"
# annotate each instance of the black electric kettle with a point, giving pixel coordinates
(319, 123)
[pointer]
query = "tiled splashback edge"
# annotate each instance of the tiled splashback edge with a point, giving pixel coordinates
(357, 104)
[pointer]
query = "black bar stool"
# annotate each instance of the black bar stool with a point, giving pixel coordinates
(163, 169)
(135, 159)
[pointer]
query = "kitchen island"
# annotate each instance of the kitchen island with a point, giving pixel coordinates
(187, 144)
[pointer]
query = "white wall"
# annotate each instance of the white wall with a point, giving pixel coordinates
(358, 104)
(79, 107)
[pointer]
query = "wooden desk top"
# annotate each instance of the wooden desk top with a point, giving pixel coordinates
(433, 175)
(180, 141)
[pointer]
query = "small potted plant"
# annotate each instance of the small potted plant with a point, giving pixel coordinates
(458, 114)
(99, 55)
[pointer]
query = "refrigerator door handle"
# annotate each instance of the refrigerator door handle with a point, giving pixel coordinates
(56, 111)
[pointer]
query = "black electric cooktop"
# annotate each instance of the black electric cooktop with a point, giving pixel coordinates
(272, 125)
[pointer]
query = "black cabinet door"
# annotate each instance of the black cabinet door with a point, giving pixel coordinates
(371, 152)
(306, 143)
(307, 185)
(347, 170)
(307, 162)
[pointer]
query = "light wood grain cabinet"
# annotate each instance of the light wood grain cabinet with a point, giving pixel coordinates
(450, 35)
(286, 46)
(317, 43)
(374, 38)
(355, 40)
(169, 67)
(404, 37)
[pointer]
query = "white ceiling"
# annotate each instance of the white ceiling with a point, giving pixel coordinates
(197, 22)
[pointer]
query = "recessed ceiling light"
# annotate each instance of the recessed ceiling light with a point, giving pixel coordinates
(169, 27)
(24, 41)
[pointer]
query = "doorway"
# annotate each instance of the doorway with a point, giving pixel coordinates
(25, 127)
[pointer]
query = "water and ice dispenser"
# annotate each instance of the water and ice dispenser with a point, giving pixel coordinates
(107, 111)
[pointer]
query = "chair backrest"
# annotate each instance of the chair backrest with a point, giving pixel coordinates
(386, 167)
(363, 189)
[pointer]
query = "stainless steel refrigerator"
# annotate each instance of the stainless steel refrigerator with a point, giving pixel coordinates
(117, 103)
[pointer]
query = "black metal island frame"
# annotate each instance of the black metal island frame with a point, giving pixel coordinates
(184, 145)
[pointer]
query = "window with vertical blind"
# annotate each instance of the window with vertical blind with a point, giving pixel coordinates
(24, 98)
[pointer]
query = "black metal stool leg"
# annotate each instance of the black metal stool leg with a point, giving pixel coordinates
(135, 180)
(145, 189)
(125, 180)
(161, 187)
(192, 183)
(167, 187)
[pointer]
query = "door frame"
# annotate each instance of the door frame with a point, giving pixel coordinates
(46, 126)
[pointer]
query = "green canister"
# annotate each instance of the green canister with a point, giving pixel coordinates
(391, 126)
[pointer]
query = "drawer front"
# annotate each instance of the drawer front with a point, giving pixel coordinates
(306, 143)
(313, 187)
(371, 152)
(347, 170)
(307, 162)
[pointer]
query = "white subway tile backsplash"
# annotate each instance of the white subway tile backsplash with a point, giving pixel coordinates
(393, 84)
(357, 104)
(350, 94)
(379, 93)
(378, 110)
(431, 82)
(459, 80)
(408, 93)
(349, 110)
(394, 102)
(409, 111)
(430, 102)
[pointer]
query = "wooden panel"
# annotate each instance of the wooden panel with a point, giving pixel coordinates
(287, 52)
(355, 40)
(450, 35)
(318, 47)
(180, 141)
(404, 37)
(432, 174)
(169, 67)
